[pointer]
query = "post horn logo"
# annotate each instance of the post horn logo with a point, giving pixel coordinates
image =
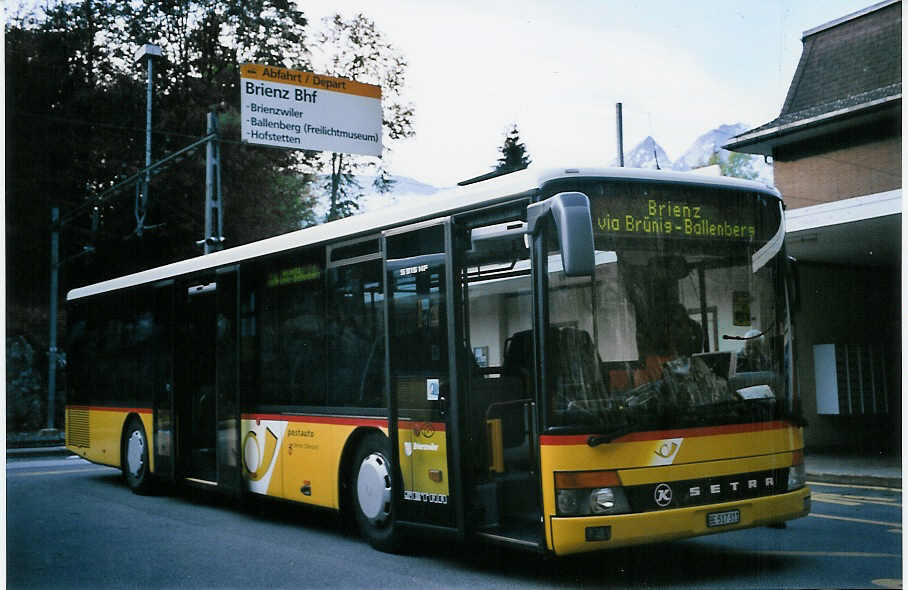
(667, 449)
(255, 461)
(425, 429)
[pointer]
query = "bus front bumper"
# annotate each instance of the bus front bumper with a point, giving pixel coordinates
(570, 535)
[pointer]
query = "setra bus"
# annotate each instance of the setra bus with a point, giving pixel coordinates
(560, 360)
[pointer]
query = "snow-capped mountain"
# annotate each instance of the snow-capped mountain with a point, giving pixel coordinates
(701, 151)
(646, 154)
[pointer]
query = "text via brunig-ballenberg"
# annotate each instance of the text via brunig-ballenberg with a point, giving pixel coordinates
(287, 108)
(674, 219)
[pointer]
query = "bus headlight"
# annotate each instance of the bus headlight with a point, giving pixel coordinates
(797, 476)
(586, 493)
(569, 502)
(609, 501)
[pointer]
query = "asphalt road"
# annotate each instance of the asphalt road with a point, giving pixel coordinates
(71, 524)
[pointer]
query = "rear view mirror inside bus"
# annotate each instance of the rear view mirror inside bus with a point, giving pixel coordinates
(574, 225)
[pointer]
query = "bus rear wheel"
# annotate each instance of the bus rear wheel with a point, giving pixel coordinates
(134, 458)
(373, 489)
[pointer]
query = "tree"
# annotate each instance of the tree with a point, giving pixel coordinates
(75, 113)
(737, 165)
(71, 77)
(355, 49)
(514, 154)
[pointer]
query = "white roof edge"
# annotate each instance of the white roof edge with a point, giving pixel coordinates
(448, 201)
(779, 129)
(847, 17)
(844, 211)
(547, 175)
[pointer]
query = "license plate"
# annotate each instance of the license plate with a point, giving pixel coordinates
(723, 518)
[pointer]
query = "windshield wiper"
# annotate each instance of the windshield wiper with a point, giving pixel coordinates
(730, 337)
(595, 440)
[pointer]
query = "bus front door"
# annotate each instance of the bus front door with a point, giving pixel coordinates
(498, 383)
(422, 389)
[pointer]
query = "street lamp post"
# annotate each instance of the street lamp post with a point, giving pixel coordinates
(149, 53)
(52, 349)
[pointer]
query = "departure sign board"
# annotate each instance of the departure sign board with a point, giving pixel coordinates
(632, 211)
(301, 110)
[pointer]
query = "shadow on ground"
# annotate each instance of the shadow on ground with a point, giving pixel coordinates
(658, 565)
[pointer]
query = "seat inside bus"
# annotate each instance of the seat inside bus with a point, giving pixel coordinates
(574, 378)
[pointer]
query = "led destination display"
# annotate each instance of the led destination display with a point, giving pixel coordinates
(668, 217)
(691, 213)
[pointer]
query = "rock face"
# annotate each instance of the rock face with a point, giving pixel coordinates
(25, 385)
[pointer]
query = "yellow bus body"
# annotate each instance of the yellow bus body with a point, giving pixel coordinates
(691, 454)
(95, 433)
(299, 459)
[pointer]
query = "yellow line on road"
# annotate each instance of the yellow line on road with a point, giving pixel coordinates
(14, 474)
(828, 500)
(849, 519)
(846, 485)
(853, 500)
(873, 500)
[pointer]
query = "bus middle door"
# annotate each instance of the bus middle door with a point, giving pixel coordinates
(421, 384)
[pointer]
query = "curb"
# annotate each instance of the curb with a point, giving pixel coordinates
(853, 479)
(37, 452)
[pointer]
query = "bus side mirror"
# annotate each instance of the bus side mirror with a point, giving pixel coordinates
(574, 226)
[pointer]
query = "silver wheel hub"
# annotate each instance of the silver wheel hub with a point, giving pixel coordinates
(135, 452)
(373, 488)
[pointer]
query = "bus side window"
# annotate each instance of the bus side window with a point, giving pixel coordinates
(355, 335)
(282, 330)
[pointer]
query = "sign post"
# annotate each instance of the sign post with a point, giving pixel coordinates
(301, 110)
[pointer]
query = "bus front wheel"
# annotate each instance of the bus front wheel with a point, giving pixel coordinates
(373, 489)
(134, 458)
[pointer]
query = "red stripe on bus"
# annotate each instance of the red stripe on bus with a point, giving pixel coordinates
(383, 423)
(344, 421)
(435, 426)
(580, 439)
(110, 409)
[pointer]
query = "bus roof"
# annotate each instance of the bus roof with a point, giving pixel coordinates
(445, 202)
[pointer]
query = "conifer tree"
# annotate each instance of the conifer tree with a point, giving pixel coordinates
(514, 154)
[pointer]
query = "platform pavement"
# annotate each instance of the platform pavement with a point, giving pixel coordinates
(846, 468)
(878, 470)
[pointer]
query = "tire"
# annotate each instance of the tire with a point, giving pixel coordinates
(373, 487)
(134, 458)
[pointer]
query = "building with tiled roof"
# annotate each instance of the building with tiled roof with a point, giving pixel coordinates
(836, 152)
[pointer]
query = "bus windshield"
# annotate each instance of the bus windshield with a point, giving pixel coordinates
(684, 322)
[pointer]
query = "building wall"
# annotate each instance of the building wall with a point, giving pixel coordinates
(847, 305)
(807, 178)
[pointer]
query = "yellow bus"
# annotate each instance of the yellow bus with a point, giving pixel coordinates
(561, 360)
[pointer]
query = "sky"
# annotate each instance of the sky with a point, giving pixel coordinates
(557, 68)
